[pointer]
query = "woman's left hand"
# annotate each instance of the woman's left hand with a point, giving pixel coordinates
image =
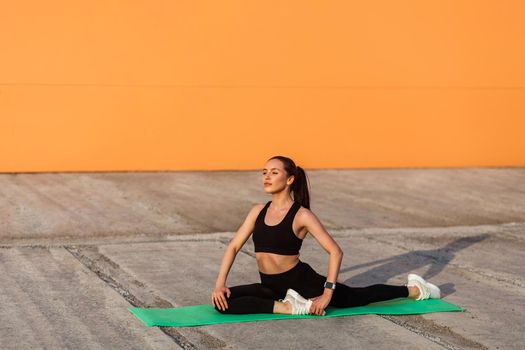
(320, 303)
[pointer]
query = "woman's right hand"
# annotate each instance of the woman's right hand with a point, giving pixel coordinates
(218, 299)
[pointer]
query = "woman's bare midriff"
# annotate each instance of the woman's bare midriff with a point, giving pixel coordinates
(270, 263)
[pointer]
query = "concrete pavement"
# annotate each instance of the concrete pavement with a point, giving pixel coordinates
(77, 249)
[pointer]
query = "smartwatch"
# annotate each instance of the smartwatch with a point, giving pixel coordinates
(329, 285)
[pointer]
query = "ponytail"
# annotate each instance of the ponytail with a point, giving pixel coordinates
(300, 185)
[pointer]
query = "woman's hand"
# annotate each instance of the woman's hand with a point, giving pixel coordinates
(320, 303)
(218, 299)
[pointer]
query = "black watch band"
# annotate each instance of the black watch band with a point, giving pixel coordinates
(329, 285)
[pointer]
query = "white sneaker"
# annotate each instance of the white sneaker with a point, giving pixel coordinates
(300, 305)
(426, 289)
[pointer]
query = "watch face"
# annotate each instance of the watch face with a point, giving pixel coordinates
(329, 285)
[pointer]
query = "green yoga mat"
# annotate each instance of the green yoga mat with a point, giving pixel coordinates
(199, 315)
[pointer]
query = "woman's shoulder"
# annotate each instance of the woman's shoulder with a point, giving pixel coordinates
(304, 214)
(255, 209)
(258, 206)
(304, 210)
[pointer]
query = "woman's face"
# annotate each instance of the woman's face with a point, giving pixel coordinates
(274, 177)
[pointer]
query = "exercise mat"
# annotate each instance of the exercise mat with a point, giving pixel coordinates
(199, 315)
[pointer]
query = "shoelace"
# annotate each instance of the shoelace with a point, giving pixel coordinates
(302, 309)
(423, 291)
(298, 308)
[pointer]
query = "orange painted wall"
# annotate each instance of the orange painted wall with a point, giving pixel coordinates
(108, 85)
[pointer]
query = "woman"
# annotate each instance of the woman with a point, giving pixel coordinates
(289, 285)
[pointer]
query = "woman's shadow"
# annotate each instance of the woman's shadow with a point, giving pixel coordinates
(435, 259)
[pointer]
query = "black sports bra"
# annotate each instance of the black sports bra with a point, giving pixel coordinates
(280, 238)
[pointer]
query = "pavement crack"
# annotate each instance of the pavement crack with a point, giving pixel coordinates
(133, 291)
(441, 335)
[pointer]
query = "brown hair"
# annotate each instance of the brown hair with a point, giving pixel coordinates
(300, 184)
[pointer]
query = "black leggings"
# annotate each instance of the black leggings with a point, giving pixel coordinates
(260, 297)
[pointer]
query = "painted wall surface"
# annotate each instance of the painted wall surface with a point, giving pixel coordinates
(107, 85)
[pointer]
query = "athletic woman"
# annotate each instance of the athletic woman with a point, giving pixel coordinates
(289, 285)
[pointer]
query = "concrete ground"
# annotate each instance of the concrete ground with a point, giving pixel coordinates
(78, 249)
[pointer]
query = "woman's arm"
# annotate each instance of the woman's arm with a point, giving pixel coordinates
(316, 229)
(226, 264)
(236, 243)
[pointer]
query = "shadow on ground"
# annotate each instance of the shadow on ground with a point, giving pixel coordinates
(435, 259)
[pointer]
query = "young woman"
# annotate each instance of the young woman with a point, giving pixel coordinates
(289, 285)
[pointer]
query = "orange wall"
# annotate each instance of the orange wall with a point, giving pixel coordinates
(108, 85)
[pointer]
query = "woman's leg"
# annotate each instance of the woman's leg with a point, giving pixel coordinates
(311, 285)
(263, 297)
(346, 296)
(250, 299)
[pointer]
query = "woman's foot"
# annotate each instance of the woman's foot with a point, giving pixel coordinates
(281, 307)
(425, 290)
(413, 292)
(293, 303)
(300, 305)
